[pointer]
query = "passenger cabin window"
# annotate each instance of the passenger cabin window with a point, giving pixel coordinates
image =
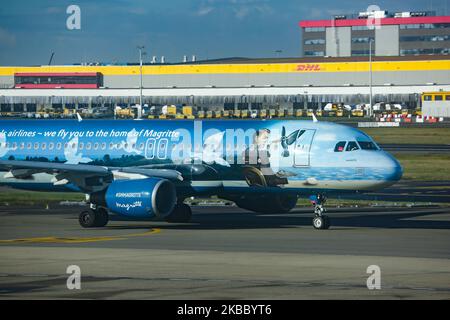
(352, 146)
(438, 98)
(367, 145)
(427, 97)
(340, 146)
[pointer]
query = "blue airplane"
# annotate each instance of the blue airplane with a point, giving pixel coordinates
(146, 169)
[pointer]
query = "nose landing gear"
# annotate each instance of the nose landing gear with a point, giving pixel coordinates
(320, 221)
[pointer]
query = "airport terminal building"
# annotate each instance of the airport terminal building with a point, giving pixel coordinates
(341, 75)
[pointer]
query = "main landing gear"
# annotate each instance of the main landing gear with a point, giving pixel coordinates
(97, 217)
(320, 221)
(94, 217)
(181, 213)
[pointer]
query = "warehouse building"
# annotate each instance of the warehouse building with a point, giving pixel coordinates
(240, 81)
(230, 83)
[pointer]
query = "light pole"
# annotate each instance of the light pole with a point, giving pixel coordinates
(370, 77)
(140, 48)
(305, 101)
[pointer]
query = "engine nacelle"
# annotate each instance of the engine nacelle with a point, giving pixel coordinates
(141, 198)
(278, 203)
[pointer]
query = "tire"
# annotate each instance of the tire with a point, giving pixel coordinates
(93, 218)
(181, 213)
(327, 222)
(87, 219)
(321, 222)
(102, 217)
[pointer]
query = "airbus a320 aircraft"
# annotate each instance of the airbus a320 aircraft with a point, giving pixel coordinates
(146, 169)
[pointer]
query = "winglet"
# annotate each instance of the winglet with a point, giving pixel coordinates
(79, 117)
(8, 175)
(314, 117)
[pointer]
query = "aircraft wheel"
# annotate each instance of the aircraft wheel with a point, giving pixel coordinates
(181, 213)
(87, 219)
(321, 222)
(102, 217)
(91, 219)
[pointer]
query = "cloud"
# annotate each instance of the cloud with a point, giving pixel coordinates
(252, 7)
(54, 10)
(321, 13)
(137, 10)
(203, 11)
(7, 39)
(241, 12)
(239, 9)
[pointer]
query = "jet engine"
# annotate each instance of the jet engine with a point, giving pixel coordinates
(278, 203)
(138, 198)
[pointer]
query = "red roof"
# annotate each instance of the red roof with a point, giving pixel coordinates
(55, 74)
(57, 86)
(382, 21)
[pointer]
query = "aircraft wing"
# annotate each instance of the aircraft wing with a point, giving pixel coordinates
(88, 178)
(51, 167)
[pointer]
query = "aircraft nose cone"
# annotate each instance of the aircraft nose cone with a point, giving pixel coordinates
(394, 169)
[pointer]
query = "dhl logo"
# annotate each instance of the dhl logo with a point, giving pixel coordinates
(308, 67)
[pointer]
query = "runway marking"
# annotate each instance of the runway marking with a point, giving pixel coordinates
(78, 239)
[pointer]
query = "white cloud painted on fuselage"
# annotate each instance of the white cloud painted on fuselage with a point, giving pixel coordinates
(3, 148)
(72, 155)
(130, 144)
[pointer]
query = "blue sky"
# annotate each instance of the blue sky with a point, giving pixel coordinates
(111, 29)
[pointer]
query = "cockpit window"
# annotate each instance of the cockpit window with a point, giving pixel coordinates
(367, 145)
(340, 146)
(352, 146)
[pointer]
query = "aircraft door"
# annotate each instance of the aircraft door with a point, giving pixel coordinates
(303, 148)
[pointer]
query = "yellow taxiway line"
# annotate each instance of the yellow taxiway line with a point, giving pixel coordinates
(78, 239)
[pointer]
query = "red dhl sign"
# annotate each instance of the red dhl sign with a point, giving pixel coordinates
(308, 67)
